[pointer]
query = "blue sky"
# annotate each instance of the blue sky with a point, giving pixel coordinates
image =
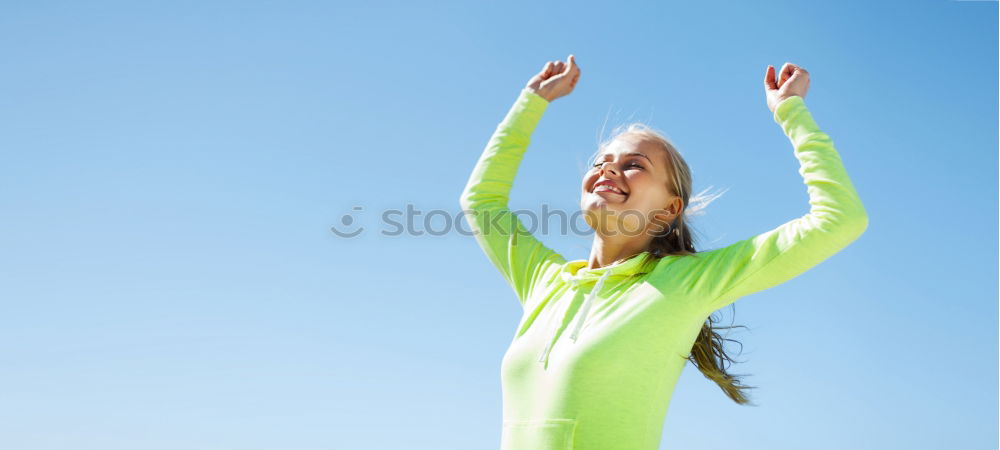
(170, 172)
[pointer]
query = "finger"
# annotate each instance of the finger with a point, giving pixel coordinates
(560, 67)
(572, 64)
(801, 79)
(797, 73)
(786, 73)
(769, 78)
(547, 70)
(801, 73)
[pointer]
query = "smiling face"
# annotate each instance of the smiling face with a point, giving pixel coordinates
(626, 184)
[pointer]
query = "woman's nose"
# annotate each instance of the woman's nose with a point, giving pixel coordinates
(610, 167)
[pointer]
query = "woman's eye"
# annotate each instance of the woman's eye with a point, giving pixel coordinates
(598, 164)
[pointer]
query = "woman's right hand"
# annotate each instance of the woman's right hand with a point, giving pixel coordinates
(556, 79)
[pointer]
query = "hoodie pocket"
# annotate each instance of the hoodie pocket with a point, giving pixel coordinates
(538, 434)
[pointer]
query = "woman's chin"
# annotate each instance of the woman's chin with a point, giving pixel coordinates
(608, 196)
(595, 208)
(600, 212)
(611, 201)
(604, 208)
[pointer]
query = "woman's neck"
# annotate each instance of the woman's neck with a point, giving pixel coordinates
(609, 250)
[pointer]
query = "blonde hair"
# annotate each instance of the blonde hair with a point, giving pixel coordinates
(708, 352)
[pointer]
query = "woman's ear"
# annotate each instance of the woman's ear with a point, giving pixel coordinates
(669, 212)
(675, 205)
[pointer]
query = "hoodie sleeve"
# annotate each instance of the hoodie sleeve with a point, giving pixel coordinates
(836, 218)
(519, 256)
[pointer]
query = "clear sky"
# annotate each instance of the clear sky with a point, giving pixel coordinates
(170, 173)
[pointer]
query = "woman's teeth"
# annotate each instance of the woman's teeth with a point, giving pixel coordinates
(605, 187)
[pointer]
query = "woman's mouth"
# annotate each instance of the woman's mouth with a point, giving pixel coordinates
(608, 188)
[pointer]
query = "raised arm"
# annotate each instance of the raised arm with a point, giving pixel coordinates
(520, 257)
(836, 216)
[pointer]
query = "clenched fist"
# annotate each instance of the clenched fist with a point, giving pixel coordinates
(794, 80)
(556, 79)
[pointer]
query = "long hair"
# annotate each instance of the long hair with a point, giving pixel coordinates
(708, 352)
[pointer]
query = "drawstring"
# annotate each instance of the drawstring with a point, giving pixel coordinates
(586, 305)
(581, 316)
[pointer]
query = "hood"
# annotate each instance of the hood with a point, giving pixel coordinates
(580, 278)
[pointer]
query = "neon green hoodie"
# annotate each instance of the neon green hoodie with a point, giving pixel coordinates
(597, 352)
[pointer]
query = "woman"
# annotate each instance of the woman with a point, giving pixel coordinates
(602, 342)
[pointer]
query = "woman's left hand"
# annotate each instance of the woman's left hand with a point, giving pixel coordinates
(794, 80)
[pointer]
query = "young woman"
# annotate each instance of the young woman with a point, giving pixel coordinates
(602, 341)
